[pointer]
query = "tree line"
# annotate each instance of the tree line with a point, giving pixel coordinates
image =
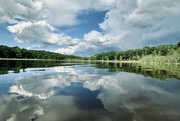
(163, 53)
(139, 54)
(16, 52)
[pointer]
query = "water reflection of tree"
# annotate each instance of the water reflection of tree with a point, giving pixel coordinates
(16, 66)
(159, 71)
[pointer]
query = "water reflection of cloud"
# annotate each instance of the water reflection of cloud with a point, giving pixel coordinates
(56, 108)
(63, 108)
(42, 85)
(124, 95)
(141, 98)
(14, 110)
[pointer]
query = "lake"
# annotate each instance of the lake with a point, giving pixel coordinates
(60, 91)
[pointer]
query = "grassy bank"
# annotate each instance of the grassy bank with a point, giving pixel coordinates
(170, 58)
(143, 61)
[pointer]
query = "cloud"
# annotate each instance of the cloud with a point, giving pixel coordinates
(37, 47)
(61, 15)
(142, 22)
(67, 51)
(82, 48)
(55, 11)
(39, 31)
(94, 42)
(13, 10)
(134, 24)
(95, 36)
(29, 22)
(35, 21)
(127, 24)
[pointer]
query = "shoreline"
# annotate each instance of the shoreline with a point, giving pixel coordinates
(106, 61)
(130, 61)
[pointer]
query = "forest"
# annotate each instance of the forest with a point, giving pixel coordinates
(162, 53)
(16, 52)
(169, 53)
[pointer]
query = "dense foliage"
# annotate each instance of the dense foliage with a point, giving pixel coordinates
(16, 52)
(158, 53)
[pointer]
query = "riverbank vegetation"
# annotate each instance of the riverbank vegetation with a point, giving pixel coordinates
(159, 54)
(18, 53)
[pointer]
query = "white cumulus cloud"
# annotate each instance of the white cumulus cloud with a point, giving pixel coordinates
(27, 10)
(36, 20)
(39, 31)
(37, 47)
(134, 24)
(143, 21)
(67, 51)
(127, 24)
(63, 13)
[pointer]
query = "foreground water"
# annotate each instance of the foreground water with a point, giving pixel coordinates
(54, 91)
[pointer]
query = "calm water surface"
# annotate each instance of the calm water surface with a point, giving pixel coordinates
(54, 91)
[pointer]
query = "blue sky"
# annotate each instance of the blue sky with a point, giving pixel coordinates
(87, 27)
(89, 21)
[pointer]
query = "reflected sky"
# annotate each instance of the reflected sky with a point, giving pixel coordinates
(85, 93)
